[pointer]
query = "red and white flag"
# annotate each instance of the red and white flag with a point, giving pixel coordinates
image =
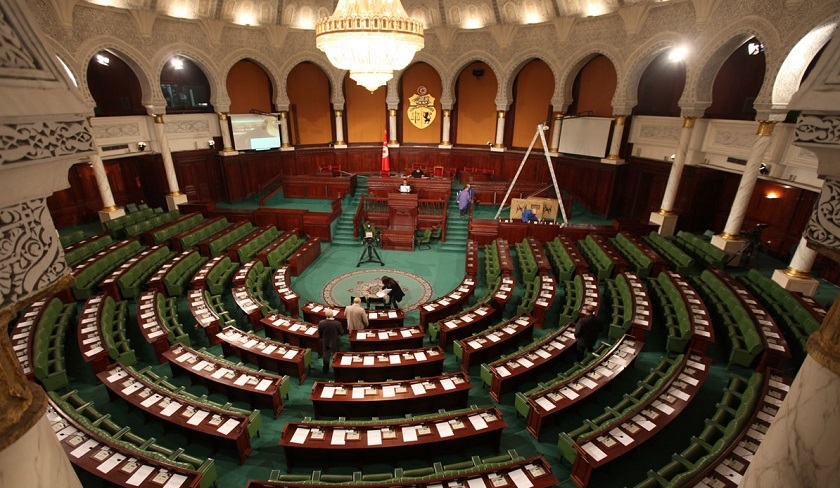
(386, 158)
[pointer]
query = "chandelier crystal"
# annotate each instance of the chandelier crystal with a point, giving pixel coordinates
(369, 38)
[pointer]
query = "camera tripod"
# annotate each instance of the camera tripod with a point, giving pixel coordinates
(371, 253)
(748, 255)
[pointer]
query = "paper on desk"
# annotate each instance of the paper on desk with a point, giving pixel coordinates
(621, 436)
(420, 356)
(200, 365)
(520, 479)
(198, 417)
(405, 333)
(220, 372)
(250, 344)
(151, 400)
(389, 391)
(447, 384)
(359, 392)
(300, 435)
(140, 475)
(478, 422)
(228, 426)
(569, 393)
(409, 433)
(392, 315)
(525, 362)
(175, 481)
(382, 336)
(243, 378)
(84, 448)
(264, 384)
(418, 389)
(644, 423)
(594, 451)
(444, 429)
(170, 409)
(545, 403)
(474, 344)
(368, 360)
(503, 372)
(133, 388)
(269, 349)
(113, 461)
(338, 437)
(374, 437)
(311, 331)
(587, 382)
(118, 374)
(346, 360)
(360, 336)
(394, 359)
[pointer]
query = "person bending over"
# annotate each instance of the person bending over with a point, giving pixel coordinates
(587, 329)
(394, 291)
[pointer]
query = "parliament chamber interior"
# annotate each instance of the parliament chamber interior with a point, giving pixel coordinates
(192, 190)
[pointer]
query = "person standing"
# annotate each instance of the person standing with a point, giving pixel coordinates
(587, 329)
(330, 331)
(394, 291)
(464, 199)
(357, 318)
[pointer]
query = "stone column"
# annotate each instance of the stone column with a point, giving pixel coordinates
(109, 210)
(499, 144)
(556, 124)
(392, 124)
(729, 240)
(797, 276)
(175, 196)
(285, 145)
(339, 130)
(665, 218)
(227, 140)
(444, 137)
(615, 142)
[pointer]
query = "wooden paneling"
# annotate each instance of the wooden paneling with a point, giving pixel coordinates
(198, 174)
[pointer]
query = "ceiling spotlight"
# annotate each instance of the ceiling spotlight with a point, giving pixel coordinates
(677, 54)
(102, 59)
(764, 170)
(177, 63)
(141, 146)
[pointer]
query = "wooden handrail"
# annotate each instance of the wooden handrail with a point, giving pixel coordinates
(269, 189)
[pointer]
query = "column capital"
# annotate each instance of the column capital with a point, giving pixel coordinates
(557, 116)
(223, 115)
(500, 114)
(688, 122)
(824, 344)
(392, 112)
(619, 119)
(447, 112)
(765, 127)
(339, 113)
(158, 118)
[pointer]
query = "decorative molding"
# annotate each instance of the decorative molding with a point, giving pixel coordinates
(34, 141)
(633, 16)
(213, 30)
(818, 129)
(144, 20)
(659, 133)
(31, 257)
(823, 227)
(276, 35)
(64, 12)
(446, 36)
(503, 34)
(189, 126)
(102, 132)
(703, 9)
(563, 28)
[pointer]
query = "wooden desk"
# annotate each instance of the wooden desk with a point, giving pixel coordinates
(466, 324)
(196, 419)
(304, 256)
(395, 365)
(449, 304)
(204, 246)
(581, 266)
(398, 240)
(508, 373)
(641, 423)
(89, 335)
(23, 333)
(702, 331)
(815, 309)
(294, 332)
(502, 296)
(728, 470)
(176, 242)
(108, 460)
(492, 343)
(382, 319)
(387, 339)
(556, 398)
(545, 297)
(425, 188)
(543, 264)
(642, 315)
(260, 390)
(151, 324)
(324, 186)
(241, 275)
(249, 305)
(406, 438)
(281, 281)
(390, 398)
(620, 263)
(471, 264)
(505, 262)
(274, 356)
(776, 349)
(203, 314)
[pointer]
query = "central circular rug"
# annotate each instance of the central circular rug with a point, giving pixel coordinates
(338, 291)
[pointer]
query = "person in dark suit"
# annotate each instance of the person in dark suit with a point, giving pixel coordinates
(394, 291)
(417, 173)
(587, 329)
(330, 331)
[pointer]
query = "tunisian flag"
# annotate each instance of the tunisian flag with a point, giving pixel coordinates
(386, 158)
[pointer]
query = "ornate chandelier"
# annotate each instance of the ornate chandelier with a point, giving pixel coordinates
(370, 38)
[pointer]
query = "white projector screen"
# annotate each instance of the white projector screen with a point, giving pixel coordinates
(254, 132)
(585, 136)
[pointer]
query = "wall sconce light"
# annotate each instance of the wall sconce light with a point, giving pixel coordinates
(772, 195)
(141, 146)
(478, 73)
(489, 144)
(764, 170)
(211, 143)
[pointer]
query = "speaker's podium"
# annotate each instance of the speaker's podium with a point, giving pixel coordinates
(402, 218)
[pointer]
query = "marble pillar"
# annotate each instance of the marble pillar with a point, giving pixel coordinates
(615, 141)
(665, 217)
(285, 145)
(109, 210)
(797, 276)
(339, 130)
(556, 124)
(729, 240)
(175, 196)
(800, 447)
(499, 144)
(392, 124)
(227, 140)
(444, 137)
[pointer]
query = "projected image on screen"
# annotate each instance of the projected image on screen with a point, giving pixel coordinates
(585, 136)
(254, 132)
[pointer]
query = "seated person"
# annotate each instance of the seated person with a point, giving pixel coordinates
(417, 173)
(405, 188)
(529, 215)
